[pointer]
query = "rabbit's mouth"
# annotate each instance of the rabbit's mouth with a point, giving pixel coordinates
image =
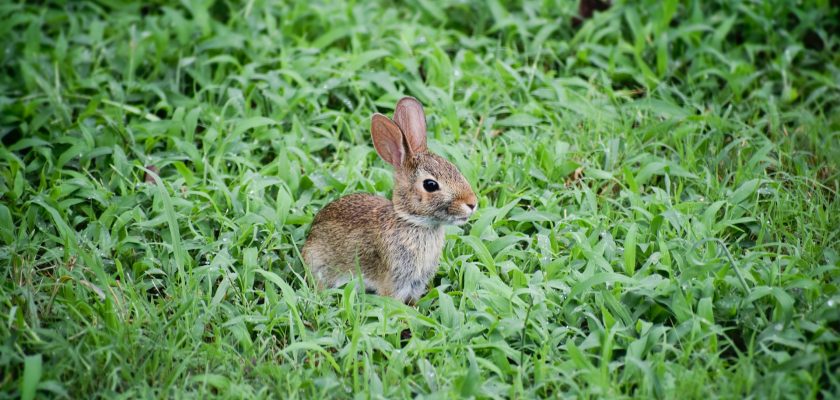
(460, 220)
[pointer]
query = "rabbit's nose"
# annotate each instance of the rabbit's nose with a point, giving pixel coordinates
(468, 208)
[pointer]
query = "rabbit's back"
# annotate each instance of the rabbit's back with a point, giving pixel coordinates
(344, 234)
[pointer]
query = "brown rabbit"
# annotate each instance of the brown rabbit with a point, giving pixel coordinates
(396, 245)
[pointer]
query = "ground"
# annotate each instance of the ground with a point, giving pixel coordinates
(657, 185)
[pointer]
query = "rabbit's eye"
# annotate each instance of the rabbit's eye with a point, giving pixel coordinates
(431, 185)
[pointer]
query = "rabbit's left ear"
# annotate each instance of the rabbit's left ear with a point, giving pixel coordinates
(387, 139)
(411, 119)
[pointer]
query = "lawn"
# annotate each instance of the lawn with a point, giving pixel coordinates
(658, 198)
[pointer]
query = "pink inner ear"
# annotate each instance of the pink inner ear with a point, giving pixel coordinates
(387, 139)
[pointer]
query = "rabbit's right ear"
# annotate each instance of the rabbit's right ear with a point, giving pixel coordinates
(411, 119)
(387, 139)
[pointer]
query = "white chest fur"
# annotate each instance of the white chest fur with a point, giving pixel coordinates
(416, 256)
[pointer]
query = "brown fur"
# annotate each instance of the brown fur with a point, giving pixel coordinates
(395, 245)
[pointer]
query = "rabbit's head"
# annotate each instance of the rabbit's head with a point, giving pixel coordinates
(428, 190)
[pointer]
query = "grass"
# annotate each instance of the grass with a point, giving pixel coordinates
(658, 198)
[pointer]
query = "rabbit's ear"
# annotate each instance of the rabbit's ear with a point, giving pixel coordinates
(387, 139)
(411, 119)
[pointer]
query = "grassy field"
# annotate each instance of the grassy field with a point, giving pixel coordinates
(658, 212)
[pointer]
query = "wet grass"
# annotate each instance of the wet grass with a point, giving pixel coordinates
(658, 199)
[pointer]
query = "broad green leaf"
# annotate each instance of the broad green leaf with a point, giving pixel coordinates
(31, 376)
(630, 250)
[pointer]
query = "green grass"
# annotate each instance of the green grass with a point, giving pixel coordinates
(698, 255)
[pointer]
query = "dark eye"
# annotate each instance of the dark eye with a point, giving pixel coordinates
(431, 185)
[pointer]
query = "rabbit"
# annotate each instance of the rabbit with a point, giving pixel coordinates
(396, 245)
